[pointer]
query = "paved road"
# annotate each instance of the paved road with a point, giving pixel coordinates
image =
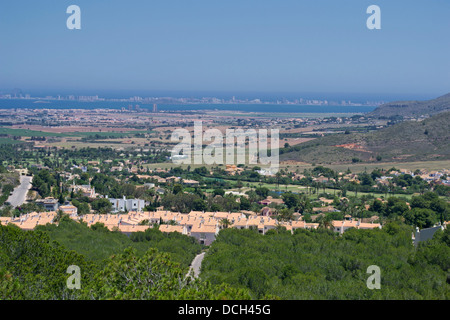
(20, 192)
(196, 264)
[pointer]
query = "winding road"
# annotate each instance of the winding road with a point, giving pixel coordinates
(20, 192)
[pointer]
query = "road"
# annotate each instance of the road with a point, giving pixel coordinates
(20, 192)
(196, 264)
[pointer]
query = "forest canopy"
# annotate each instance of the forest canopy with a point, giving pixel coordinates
(319, 264)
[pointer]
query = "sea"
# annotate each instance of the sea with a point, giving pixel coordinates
(264, 108)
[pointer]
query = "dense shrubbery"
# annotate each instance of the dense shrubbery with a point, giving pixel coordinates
(33, 267)
(44, 181)
(98, 243)
(8, 181)
(183, 248)
(423, 211)
(240, 264)
(322, 265)
(6, 190)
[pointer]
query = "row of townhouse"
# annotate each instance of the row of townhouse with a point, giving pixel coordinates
(29, 221)
(204, 226)
(201, 226)
(340, 226)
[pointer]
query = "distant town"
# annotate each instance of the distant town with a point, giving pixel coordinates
(17, 94)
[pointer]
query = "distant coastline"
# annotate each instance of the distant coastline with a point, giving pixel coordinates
(118, 105)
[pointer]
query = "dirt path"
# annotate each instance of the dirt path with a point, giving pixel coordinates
(196, 264)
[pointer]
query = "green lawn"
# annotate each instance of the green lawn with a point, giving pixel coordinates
(9, 141)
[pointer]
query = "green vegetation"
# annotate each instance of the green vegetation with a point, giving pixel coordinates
(413, 108)
(322, 265)
(404, 141)
(32, 267)
(426, 210)
(97, 243)
(92, 135)
(9, 141)
(43, 182)
(8, 181)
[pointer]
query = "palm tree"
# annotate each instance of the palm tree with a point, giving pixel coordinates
(225, 223)
(325, 222)
(278, 176)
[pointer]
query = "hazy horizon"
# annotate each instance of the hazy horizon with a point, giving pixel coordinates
(268, 95)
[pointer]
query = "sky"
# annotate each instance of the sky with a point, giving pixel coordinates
(318, 46)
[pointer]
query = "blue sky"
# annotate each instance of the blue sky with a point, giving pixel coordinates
(227, 45)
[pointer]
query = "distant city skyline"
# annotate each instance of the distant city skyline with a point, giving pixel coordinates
(244, 47)
(179, 97)
(18, 94)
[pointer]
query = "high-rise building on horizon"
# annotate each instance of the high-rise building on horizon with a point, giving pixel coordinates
(155, 108)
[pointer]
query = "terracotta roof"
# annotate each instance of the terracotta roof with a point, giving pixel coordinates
(337, 223)
(199, 228)
(67, 207)
(368, 225)
(131, 228)
(170, 228)
(298, 224)
(221, 215)
(5, 220)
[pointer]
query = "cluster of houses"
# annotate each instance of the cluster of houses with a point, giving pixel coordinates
(84, 190)
(204, 226)
(431, 177)
(117, 205)
(173, 179)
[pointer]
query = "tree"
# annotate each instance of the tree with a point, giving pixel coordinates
(291, 200)
(278, 177)
(43, 182)
(286, 214)
(61, 198)
(377, 206)
(244, 203)
(422, 218)
(177, 188)
(225, 223)
(325, 222)
(219, 192)
(102, 205)
(366, 179)
(199, 205)
(262, 192)
(82, 207)
(182, 202)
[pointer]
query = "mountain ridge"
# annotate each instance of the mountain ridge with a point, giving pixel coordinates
(413, 108)
(424, 140)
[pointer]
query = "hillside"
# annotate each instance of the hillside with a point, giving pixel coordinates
(104, 243)
(413, 108)
(318, 265)
(407, 141)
